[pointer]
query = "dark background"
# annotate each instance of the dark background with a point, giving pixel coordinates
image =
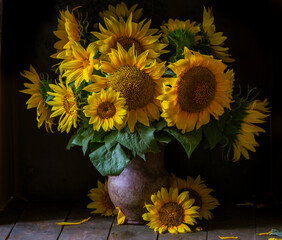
(40, 168)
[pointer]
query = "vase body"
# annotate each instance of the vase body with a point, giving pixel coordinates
(137, 182)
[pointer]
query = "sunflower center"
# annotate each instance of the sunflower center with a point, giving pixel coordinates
(171, 214)
(127, 42)
(193, 194)
(68, 102)
(106, 110)
(196, 89)
(136, 86)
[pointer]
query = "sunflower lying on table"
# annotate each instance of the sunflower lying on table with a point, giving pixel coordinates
(124, 80)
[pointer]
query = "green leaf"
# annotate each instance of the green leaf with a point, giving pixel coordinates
(81, 137)
(212, 132)
(188, 140)
(139, 142)
(163, 137)
(109, 162)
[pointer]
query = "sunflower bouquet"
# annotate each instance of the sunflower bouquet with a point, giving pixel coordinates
(126, 88)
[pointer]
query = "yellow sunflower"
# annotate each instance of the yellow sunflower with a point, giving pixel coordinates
(80, 66)
(256, 112)
(63, 105)
(129, 33)
(36, 100)
(202, 87)
(67, 32)
(171, 211)
(102, 203)
(188, 29)
(106, 109)
(137, 79)
(200, 192)
(216, 39)
(121, 10)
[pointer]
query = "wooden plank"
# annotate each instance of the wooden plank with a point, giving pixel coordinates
(131, 232)
(267, 219)
(39, 221)
(230, 221)
(97, 228)
(9, 216)
(202, 235)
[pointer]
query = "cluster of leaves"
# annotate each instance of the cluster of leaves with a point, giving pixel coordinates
(110, 152)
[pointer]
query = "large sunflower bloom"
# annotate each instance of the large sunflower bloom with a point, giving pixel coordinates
(102, 203)
(256, 112)
(137, 79)
(171, 211)
(121, 10)
(36, 100)
(216, 39)
(129, 33)
(63, 105)
(200, 192)
(80, 66)
(67, 32)
(106, 109)
(201, 88)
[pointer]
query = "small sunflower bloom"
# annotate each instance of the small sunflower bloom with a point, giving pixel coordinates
(67, 32)
(171, 211)
(216, 39)
(121, 10)
(102, 203)
(64, 105)
(36, 100)
(80, 67)
(256, 112)
(106, 110)
(200, 192)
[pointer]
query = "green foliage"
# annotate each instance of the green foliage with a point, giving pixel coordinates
(109, 161)
(188, 140)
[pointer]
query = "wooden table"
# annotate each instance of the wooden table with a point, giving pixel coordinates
(37, 221)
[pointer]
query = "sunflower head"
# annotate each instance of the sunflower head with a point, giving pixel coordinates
(38, 90)
(127, 33)
(121, 10)
(106, 110)
(171, 211)
(68, 31)
(101, 202)
(240, 125)
(202, 87)
(198, 191)
(179, 34)
(64, 104)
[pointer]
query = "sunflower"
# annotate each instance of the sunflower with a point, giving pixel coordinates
(121, 10)
(201, 87)
(256, 112)
(67, 32)
(80, 66)
(215, 39)
(106, 109)
(36, 100)
(137, 79)
(129, 33)
(64, 105)
(171, 211)
(102, 203)
(181, 33)
(200, 192)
